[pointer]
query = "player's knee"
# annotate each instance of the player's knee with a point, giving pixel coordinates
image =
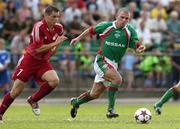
(117, 80)
(95, 95)
(16, 91)
(54, 82)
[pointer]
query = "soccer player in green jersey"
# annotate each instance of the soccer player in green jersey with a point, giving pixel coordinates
(116, 37)
(173, 91)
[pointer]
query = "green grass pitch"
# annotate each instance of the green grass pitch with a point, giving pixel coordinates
(90, 116)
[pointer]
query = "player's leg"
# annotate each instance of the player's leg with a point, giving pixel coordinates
(168, 94)
(6, 88)
(8, 99)
(115, 78)
(107, 70)
(94, 93)
(49, 81)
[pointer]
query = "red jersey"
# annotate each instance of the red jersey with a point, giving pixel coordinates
(41, 35)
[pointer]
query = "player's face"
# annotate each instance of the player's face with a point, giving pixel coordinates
(53, 18)
(122, 19)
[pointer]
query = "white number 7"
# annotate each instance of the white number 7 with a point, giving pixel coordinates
(20, 71)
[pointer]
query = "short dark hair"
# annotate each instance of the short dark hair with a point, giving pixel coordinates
(49, 9)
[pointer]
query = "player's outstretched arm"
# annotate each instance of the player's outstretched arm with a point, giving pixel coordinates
(47, 47)
(82, 35)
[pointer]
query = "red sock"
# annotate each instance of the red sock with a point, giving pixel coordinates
(44, 90)
(5, 103)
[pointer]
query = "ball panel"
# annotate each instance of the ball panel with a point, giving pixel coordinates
(142, 115)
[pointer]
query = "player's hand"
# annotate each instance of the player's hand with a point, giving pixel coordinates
(74, 41)
(140, 49)
(61, 39)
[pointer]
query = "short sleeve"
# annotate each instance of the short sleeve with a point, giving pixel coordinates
(99, 28)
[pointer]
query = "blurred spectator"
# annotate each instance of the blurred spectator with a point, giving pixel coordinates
(144, 35)
(158, 29)
(28, 24)
(85, 63)
(46, 2)
(2, 5)
(147, 67)
(107, 8)
(133, 22)
(79, 47)
(128, 63)
(144, 16)
(165, 3)
(176, 8)
(159, 9)
(134, 10)
(165, 66)
(32, 4)
(145, 8)
(81, 5)
(173, 25)
(18, 44)
(117, 4)
(4, 71)
(67, 62)
(155, 67)
(75, 28)
(11, 28)
(10, 10)
(71, 12)
(37, 13)
(88, 20)
(23, 13)
(92, 8)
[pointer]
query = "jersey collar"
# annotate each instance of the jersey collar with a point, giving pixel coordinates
(114, 25)
(45, 23)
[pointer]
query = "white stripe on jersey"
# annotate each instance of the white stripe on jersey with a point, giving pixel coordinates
(106, 30)
(35, 32)
(129, 34)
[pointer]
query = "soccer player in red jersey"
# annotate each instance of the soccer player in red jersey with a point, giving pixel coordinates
(45, 38)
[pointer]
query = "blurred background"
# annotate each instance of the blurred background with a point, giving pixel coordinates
(146, 75)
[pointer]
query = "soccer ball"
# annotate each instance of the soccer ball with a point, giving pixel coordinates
(142, 116)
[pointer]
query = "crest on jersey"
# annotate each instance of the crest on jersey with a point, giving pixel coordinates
(117, 35)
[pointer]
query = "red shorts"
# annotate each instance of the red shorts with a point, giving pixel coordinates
(29, 67)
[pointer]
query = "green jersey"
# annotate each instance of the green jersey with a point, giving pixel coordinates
(114, 41)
